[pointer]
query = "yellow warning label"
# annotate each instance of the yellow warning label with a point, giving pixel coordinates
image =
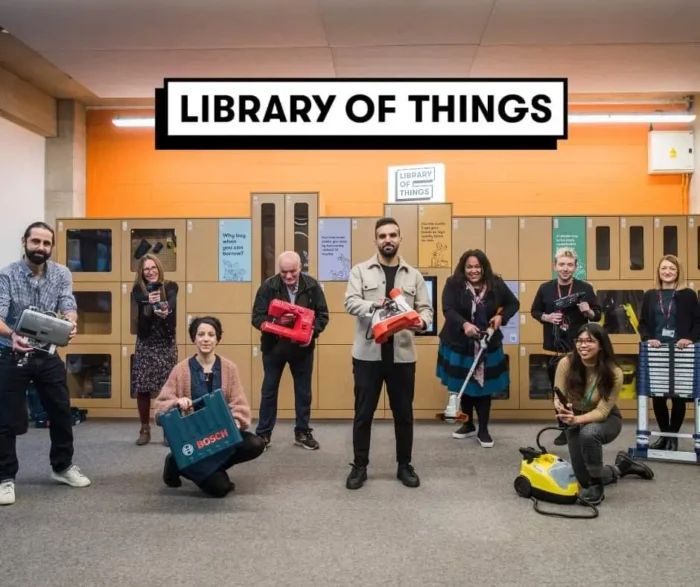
(673, 153)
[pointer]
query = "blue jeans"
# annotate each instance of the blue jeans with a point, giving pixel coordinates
(301, 365)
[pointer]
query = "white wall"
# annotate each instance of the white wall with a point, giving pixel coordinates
(22, 171)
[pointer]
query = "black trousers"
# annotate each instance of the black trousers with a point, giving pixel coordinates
(482, 405)
(662, 416)
(400, 381)
(218, 484)
(49, 376)
(302, 366)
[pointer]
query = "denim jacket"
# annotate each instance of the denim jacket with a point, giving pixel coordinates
(198, 378)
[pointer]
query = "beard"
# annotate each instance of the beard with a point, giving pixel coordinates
(388, 251)
(36, 257)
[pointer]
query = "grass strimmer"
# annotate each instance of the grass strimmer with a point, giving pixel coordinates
(549, 478)
(452, 412)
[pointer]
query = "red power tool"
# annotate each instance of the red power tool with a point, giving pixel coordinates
(303, 328)
(395, 315)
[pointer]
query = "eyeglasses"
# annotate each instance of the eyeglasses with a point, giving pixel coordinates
(585, 342)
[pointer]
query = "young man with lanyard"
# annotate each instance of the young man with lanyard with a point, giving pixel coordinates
(560, 326)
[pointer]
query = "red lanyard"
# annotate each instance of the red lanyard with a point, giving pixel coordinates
(571, 286)
(666, 315)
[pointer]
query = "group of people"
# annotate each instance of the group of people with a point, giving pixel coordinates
(475, 301)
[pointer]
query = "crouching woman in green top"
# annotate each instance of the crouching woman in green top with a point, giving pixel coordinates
(591, 380)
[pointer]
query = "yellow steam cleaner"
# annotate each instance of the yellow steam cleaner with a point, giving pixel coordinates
(549, 478)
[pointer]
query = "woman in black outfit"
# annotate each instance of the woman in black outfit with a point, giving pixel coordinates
(669, 315)
(154, 305)
(473, 300)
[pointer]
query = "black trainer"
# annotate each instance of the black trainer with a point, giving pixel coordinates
(593, 494)
(407, 475)
(267, 439)
(485, 439)
(629, 466)
(465, 430)
(306, 440)
(171, 474)
(357, 477)
(561, 439)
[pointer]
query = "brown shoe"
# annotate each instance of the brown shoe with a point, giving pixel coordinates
(144, 436)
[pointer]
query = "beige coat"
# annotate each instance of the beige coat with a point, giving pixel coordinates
(366, 285)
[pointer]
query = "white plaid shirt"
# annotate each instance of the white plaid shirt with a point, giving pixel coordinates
(19, 289)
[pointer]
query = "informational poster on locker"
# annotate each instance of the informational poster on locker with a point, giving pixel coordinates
(570, 233)
(511, 331)
(235, 250)
(432, 286)
(334, 249)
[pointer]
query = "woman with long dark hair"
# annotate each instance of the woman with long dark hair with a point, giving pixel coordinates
(473, 300)
(591, 380)
(154, 305)
(670, 314)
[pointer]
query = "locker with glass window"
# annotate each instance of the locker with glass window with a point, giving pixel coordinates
(603, 247)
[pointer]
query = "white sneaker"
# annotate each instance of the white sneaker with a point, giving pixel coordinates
(7, 492)
(71, 476)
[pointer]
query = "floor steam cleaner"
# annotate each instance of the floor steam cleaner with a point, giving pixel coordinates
(452, 412)
(549, 478)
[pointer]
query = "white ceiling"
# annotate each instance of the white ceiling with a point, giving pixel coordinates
(124, 48)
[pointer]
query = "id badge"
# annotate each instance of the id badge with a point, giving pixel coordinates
(666, 333)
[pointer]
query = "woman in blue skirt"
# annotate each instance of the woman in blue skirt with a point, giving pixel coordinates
(473, 300)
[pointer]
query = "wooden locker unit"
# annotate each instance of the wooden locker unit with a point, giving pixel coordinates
(301, 229)
(235, 328)
(534, 248)
(218, 298)
(202, 249)
(628, 357)
(435, 236)
(692, 267)
(240, 355)
(535, 391)
(340, 330)
(129, 316)
(286, 388)
(407, 217)
(93, 375)
(467, 233)
(512, 401)
(603, 247)
(334, 292)
(99, 313)
(79, 242)
(502, 244)
(169, 235)
(441, 276)
(363, 239)
(268, 231)
(670, 238)
(637, 248)
(128, 402)
(530, 329)
(336, 393)
(430, 395)
(622, 303)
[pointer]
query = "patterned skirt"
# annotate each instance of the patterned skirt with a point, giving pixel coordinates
(154, 359)
(453, 368)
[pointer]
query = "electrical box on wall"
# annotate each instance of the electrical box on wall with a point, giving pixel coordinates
(671, 151)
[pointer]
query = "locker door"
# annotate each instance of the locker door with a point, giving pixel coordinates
(467, 233)
(603, 248)
(268, 236)
(435, 235)
(535, 249)
(530, 329)
(670, 238)
(502, 246)
(301, 229)
(91, 249)
(509, 399)
(636, 248)
(165, 238)
(692, 269)
(407, 217)
(363, 246)
(535, 390)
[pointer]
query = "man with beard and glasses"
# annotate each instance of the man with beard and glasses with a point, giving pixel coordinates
(35, 281)
(393, 362)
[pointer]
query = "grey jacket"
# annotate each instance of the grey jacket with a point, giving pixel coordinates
(366, 285)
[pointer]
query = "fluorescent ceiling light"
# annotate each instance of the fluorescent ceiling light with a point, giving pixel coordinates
(592, 118)
(134, 121)
(640, 117)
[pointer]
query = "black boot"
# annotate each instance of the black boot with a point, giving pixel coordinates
(171, 474)
(660, 444)
(594, 494)
(357, 477)
(407, 475)
(561, 439)
(671, 444)
(629, 466)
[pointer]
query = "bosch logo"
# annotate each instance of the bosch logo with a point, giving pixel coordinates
(187, 450)
(212, 439)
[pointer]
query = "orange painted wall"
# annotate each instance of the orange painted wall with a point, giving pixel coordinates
(601, 169)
